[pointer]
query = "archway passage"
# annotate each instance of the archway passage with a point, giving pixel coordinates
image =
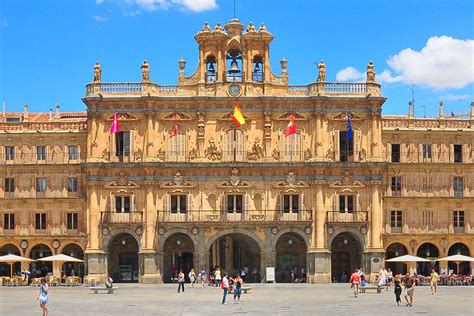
(290, 258)
(234, 252)
(427, 251)
(178, 256)
(9, 249)
(73, 268)
(40, 268)
(464, 267)
(345, 256)
(396, 250)
(123, 259)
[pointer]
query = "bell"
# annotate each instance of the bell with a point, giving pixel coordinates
(211, 68)
(234, 68)
(257, 67)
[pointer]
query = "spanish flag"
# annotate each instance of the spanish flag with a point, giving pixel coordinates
(237, 116)
(291, 129)
(174, 132)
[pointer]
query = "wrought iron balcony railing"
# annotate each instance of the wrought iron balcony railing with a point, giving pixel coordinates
(121, 218)
(339, 217)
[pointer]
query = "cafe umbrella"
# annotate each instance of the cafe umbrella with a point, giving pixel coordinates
(12, 259)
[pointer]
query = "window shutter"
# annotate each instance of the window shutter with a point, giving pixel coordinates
(434, 152)
(335, 202)
(66, 154)
(356, 205)
(2, 153)
(132, 203)
(112, 202)
(451, 152)
(389, 152)
(301, 206)
(166, 202)
(465, 153)
(112, 146)
(239, 145)
(229, 145)
(337, 154)
(181, 145)
(356, 144)
(132, 145)
(189, 202)
(223, 202)
(279, 202)
(404, 152)
(78, 152)
(420, 152)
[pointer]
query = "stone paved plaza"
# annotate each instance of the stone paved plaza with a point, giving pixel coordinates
(263, 299)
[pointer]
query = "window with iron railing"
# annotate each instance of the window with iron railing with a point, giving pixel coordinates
(72, 220)
(9, 152)
(458, 187)
(8, 221)
(458, 219)
(346, 204)
(395, 152)
(396, 186)
(122, 204)
(179, 203)
(346, 147)
(458, 153)
(40, 153)
(234, 203)
(396, 219)
(427, 183)
(40, 221)
(291, 203)
(122, 144)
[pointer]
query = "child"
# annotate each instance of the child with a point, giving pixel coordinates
(398, 292)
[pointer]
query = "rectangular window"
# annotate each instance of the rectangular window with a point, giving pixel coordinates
(346, 203)
(292, 147)
(122, 144)
(458, 219)
(72, 220)
(291, 203)
(396, 219)
(179, 203)
(426, 151)
(427, 218)
(458, 187)
(40, 185)
(40, 220)
(346, 147)
(122, 204)
(40, 153)
(395, 152)
(73, 152)
(9, 185)
(234, 203)
(10, 152)
(9, 221)
(396, 186)
(13, 120)
(427, 182)
(458, 153)
(72, 184)
(178, 147)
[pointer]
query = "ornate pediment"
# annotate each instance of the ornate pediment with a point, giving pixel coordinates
(178, 182)
(177, 116)
(122, 182)
(234, 181)
(343, 117)
(123, 116)
(346, 181)
(287, 116)
(291, 182)
(228, 117)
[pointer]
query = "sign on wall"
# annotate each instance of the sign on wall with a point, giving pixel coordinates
(270, 274)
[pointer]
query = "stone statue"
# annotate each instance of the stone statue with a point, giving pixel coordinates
(322, 71)
(219, 27)
(251, 28)
(97, 72)
(206, 27)
(370, 72)
(262, 28)
(145, 71)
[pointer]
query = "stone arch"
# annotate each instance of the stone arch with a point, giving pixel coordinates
(427, 249)
(65, 245)
(354, 231)
(40, 268)
(282, 232)
(115, 232)
(173, 231)
(235, 231)
(73, 268)
(403, 243)
(123, 263)
(10, 245)
(459, 267)
(6, 249)
(346, 246)
(30, 248)
(391, 252)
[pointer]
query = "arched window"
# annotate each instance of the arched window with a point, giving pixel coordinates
(234, 66)
(234, 145)
(292, 147)
(177, 147)
(257, 72)
(211, 71)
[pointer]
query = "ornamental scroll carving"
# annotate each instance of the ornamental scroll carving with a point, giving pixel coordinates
(257, 151)
(276, 154)
(307, 154)
(161, 154)
(193, 154)
(212, 152)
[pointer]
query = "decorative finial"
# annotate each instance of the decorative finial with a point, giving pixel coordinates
(262, 28)
(284, 64)
(322, 71)
(251, 28)
(206, 27)
(218, 27)
(370, 72)
(97, 72)
(145, 71)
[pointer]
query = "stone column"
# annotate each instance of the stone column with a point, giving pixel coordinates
(319, 138)
(93, 215)
(267, 259)
(148, 259)
(149, 218)
(148, 138)
(320, 215)
(377, 219)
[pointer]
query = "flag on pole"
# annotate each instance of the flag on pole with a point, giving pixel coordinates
(291, 128)
(115, 125)
(174, 132)
(237, 116)
(349, 127)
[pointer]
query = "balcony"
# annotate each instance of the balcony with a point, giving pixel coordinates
(121, 218)
(354, 217)
(420, 191)
(48, 159)
(246, 217)
(336, 88)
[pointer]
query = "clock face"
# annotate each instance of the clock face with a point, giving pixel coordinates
(234, 90)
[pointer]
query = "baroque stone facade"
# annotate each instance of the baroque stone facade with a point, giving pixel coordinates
(213, 194)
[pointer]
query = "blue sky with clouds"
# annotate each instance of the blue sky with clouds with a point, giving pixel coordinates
(48, 48)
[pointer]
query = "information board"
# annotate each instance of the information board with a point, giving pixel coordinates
(270, 274)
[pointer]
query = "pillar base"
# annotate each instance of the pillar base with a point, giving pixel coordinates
(148, 259)
(96, 263)
(320, 266)
(151, 279)
(372, 262)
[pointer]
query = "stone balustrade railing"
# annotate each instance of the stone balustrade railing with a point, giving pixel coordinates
(127, 88)
(44, 126)
(406, 122)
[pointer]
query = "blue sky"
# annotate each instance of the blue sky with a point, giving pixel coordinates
(48, 48)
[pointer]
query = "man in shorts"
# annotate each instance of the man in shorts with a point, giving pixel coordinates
(355, 281)
(410, 289)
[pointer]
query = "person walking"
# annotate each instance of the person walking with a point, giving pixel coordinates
(180, 281)
(389, 278)
(398, 292)
(203, 277)
(434, 281)
(238, 281)
(43, 296)
(217, 276)
(225, 287)
(192, 277)
(410, 290)
(355, 281)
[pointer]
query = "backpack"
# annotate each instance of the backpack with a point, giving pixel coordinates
(222, 284)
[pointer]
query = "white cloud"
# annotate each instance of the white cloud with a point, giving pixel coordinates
(136, 6)
(386, 77)
(456, 97)
(444, 62)
(350, 74)
(99, 1)
(99, 18)
(197, 5)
